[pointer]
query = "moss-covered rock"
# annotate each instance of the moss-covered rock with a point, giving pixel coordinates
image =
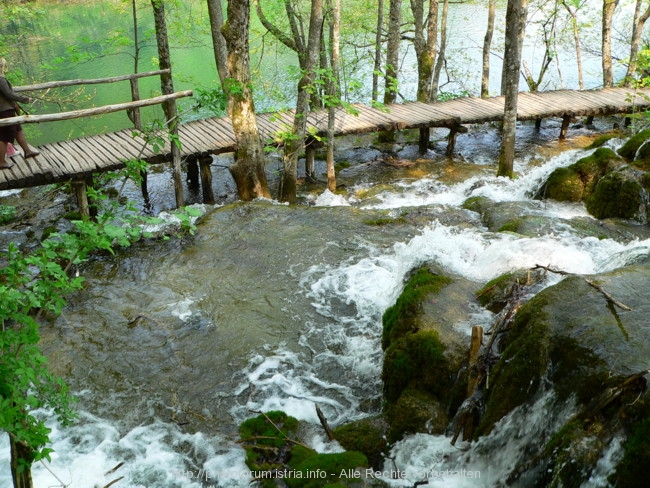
(321, 470)
(401, 318)
(576, 182)
(276, 456)
(367, 436)
(494, 295)
(417, 359)
(633, 468)
(602, 139)
(642, 158)
(618, 194)
(632, 145)
(415, 411)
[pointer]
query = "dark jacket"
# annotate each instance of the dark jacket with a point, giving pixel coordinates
(8, 97)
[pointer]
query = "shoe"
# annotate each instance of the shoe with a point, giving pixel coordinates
(32, 154)
(11, 150)
(7, 166)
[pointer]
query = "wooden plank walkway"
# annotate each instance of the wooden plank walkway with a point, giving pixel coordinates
(77, 158)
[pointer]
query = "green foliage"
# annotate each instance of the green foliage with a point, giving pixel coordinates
(37, 283)
(7, 213)
(214, 100)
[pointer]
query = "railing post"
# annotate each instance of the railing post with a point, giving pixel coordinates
(134, 113)
(206, 179)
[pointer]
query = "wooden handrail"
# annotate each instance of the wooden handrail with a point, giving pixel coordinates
(96, 81)
(35, 119)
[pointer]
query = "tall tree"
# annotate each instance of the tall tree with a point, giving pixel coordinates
(548, 27)
(572, 7)
(378, 44)
(334, 89)
(639, 21)
(487, 46)
(392, 51)
(215, 12)
(167, 87)
(425, 41)
(516, 14)
(609, 7)
(296, 141)
(248, 169)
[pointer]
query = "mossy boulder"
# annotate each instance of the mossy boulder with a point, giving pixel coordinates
(642, 158)
(367, 436)
(415, 411)
(275, 454)
(632, 145)
(496, 293)
(572, 338)
(576, 182)
(619, 194)
(603, 139)
(402, 318)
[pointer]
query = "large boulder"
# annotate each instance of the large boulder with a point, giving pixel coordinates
(588, 341)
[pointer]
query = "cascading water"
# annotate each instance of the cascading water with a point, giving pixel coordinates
(310, 332)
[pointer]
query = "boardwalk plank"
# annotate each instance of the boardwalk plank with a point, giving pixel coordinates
(62, 160)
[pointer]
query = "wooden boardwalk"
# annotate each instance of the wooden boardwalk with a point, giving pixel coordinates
(81, 157)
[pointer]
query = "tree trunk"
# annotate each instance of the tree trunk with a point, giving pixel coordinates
(296, 143)
(334, 90)
(576, 41)
(487, 45)
(248, 169)
(426, 47)
(515, 26)
(637, 29)
(609, 6)
(167, 87)
(215, 12)
(435, 83)
(378, 38)
(392, 51)
(21, 455)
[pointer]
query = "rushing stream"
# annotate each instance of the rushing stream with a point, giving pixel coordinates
(172, 344)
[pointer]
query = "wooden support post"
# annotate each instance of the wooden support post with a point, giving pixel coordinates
(82, 198)
(206, 180)
(423, 142)
(590, 122)
(451, 138)
(193, 174)
(474, 350)
(566, 119)
(143, 187)
(538, 124)
(310, 157)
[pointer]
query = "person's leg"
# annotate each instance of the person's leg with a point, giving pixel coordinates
(3, 151)
(27, 152)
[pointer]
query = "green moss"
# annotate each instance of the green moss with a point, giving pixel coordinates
(629, 149)
(367, 436)
(341, 165)
(645, 181)
(632, 469)
(48, 231)
(495, 294)
(642, 159)
(475, 204)
(308, 473)
(384, 221)
(600, 140)
(74, 215)
(400, 319)
(418, 359)
(415, 411)
(517, 375)
(564, 185)
(7, 213)
(591, 168)
(615, 196)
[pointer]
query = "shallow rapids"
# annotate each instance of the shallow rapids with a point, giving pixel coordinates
(171, 345)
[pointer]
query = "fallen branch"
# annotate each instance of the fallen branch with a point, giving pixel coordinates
(323, 422)
(608, 296)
